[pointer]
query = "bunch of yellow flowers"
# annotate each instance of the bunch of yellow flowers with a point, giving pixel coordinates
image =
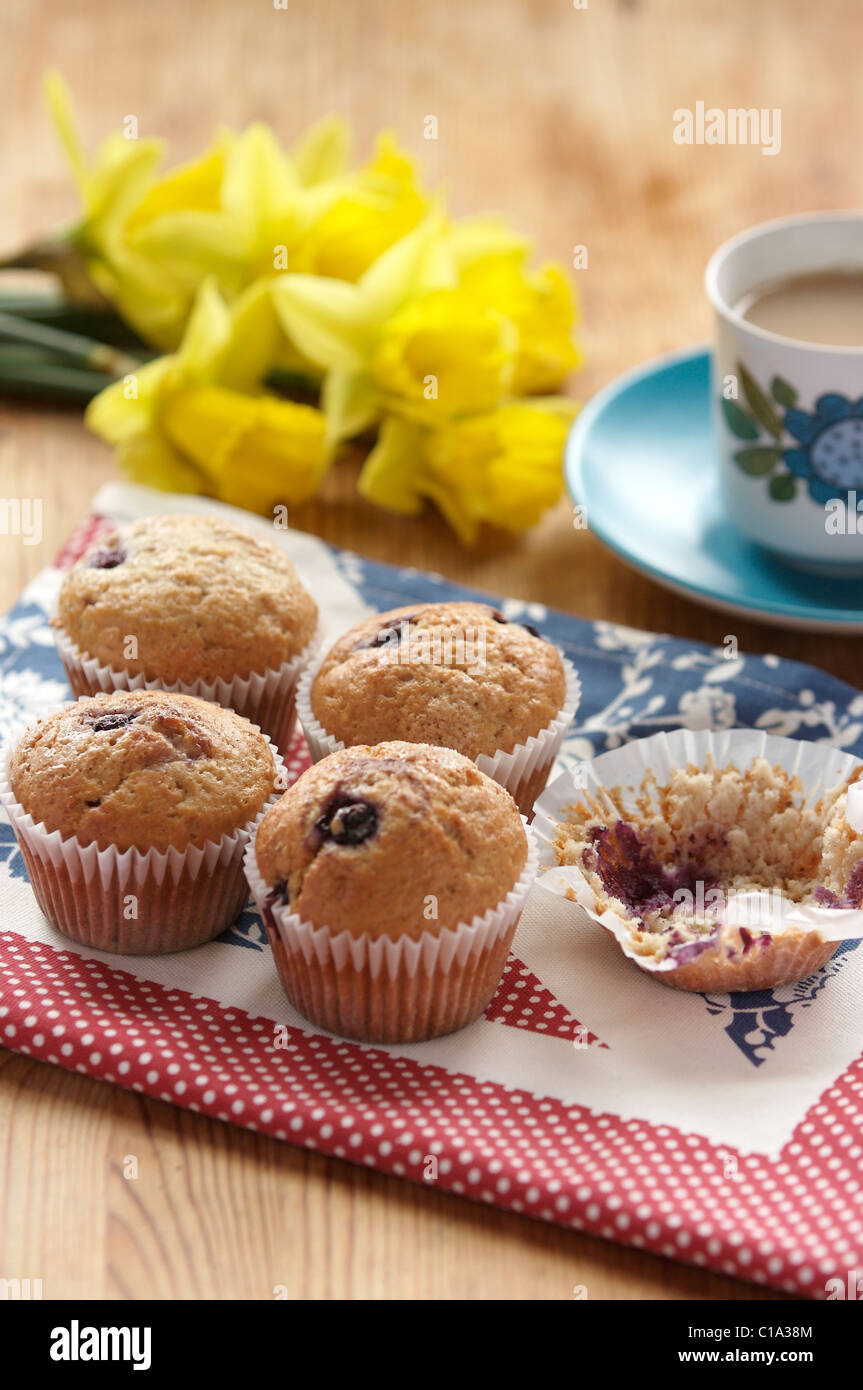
(254, 268)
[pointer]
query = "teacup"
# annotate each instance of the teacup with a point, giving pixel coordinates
(789, 413)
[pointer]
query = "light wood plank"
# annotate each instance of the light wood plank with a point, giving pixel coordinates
(562, 120)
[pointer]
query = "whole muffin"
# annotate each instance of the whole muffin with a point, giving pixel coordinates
(188, 602)
(373, 850)
(458, 675)
(133, 811)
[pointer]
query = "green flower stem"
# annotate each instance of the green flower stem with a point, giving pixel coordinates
(27, 373)
(60, 255)
(54, 310)
(73, 348)
(296, 386)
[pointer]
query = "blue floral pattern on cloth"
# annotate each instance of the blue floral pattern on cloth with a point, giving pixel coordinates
(763, 1015)
(10, 854)
(247, 931)
(634, 684)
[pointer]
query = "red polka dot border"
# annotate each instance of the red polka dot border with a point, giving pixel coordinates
(792, 1223)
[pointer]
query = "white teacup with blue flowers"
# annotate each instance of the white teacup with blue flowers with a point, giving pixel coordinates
(788, 413)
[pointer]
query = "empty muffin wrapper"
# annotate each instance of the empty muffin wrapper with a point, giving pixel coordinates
(391, 989)
(523, 771)
(132, 902)
(266, 698)
(782, 941)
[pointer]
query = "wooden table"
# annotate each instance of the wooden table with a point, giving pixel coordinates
(561, 118)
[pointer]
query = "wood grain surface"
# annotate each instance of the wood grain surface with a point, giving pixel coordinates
(561, 118)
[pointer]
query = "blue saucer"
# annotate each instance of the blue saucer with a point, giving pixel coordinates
(640, 460)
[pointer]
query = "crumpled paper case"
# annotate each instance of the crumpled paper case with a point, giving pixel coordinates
(803, 937)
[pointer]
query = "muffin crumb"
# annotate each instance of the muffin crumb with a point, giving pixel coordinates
(672, 858)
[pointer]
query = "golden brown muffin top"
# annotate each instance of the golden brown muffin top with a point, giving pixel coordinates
(202, 598)
(143, 768)
(380, 839)
(454, 674)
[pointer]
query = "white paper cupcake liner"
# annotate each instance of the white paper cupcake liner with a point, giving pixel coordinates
(266, 698)
(801, 938)
(132, 902)
(391, 990)
(523, 771)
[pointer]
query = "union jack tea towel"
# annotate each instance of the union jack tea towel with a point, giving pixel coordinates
(725, 1131)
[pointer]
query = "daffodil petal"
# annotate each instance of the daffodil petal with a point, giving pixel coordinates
(350, 403)
(390, 160)
(151, 303)
(474, 238)
(207, 331)
(257, 175)
(323, 152)
(124, 409)
(421, 261)
(58, 99)
(193, 244)
(151, 461)
(191, 187)
(255, 451)
(456, 510)
(122, 173)
(255, 342)
(324, 318)
(389, 476)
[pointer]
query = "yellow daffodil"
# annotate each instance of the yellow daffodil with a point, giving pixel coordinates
(445, 353)
(404, 339)
(382, 205)
(254, 257)
(473, 239)
(260, 205)
(110, 187)
(502, 468)
(541, 306)
(243, 210)
(250, 210)
(257, 450)
(464, 325)
(197, 420)
(192, 187)
(492, 267)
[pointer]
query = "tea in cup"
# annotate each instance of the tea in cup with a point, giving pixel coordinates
(788, 386)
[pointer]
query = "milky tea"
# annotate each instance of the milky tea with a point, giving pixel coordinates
(825, 307)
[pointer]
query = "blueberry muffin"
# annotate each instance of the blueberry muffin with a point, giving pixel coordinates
(133, 811)
(709, 880)
(457, 675)
(189, 603)
(391, 879)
